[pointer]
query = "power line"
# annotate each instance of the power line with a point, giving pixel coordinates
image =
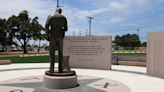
(141, 27)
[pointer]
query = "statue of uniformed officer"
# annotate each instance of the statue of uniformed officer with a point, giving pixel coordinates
(56, 26)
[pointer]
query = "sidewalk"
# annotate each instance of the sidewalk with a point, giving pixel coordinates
(134, 77)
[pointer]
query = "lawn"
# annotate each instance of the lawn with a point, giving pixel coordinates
(45, 59)
(129, 54)
(29, 59)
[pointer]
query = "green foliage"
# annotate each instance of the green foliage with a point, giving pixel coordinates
(5, 34)
(144, 44)
(24, 28)
(2, 31)
(37, 28)
(128, 41)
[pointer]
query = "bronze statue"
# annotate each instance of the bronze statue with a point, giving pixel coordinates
(55, 28)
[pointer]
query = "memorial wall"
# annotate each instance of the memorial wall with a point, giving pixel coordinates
(94, 52)
(155, 54)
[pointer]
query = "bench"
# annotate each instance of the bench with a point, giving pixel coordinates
(130, 60)
(132, 63)
(3, 62)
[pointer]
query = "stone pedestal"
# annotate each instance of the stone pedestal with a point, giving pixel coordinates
(88, 51)
(60, 80)
(155, 54)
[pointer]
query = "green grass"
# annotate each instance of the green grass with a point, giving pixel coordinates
(45, 59)
(29, 59)
(129, 54)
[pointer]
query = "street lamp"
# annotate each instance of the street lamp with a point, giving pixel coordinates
(90, 22)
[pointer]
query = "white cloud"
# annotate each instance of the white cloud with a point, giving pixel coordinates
(35, 8)
(117, 5)
(113, 20)
(76, 16)
(116, 19)
(82, 14)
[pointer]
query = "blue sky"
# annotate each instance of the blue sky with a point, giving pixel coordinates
(111, 17)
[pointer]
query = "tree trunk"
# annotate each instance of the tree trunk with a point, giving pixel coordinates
(6, 49)
(39, 47)
(3, 48)
(24, 47)
(34, 45)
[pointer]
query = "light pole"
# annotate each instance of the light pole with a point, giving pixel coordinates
(73, 33)
(86, 32)
(90, 26)
(57, 4)
(138, 33)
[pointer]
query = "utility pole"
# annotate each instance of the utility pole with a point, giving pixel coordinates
(138, 33)
(90, 22)
(79, 33)
(73, 33)
(57, 4)
(86, 32)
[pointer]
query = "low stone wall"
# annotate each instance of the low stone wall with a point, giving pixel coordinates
(132, 63)
(2, 62)
(131, 60)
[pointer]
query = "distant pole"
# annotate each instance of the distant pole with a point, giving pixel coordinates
(90, 26)
(73, 33)
(79, 33)
(57, 4)
(138, 33)
(86, 32)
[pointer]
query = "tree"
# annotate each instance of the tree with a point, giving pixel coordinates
(5, 35)
(23, 28)
(37, 28)
(144, 44)
(135, 41)
(2, 33)
(117, 40)
(128, 41)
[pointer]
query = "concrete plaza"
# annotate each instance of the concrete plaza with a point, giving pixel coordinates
(135, 78)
